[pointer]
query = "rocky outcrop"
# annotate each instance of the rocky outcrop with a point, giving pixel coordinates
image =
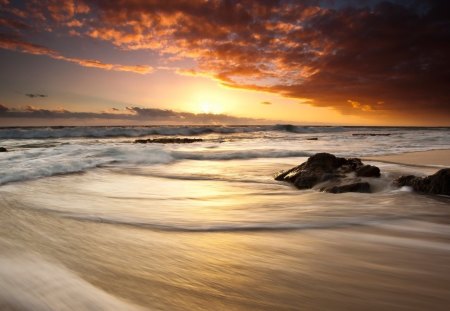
(438, 183)
(3, 149)
(368, 171)
(363, 187)
(167, 140)
(328, 173)
(333, 174)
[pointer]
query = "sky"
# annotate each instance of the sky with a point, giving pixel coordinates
(366, 62)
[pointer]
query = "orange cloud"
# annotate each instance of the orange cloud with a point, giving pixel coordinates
(15, 44)
(74, 23)
(358, 105)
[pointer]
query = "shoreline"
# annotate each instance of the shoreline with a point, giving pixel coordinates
(431, 158)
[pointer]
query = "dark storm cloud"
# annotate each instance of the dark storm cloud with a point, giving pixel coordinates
(360, 57)
(130, 113)
(14, 24)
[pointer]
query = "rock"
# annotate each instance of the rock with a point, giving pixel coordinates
(331, 172)
(312, 138)
(3, 149)
(368, 171)
(406, 180)
(175, 140)
(363, 187)
(438, 183)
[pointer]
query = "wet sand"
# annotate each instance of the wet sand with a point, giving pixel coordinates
(394, 266)
(422, 158)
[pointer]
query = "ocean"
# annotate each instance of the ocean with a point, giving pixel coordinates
(90, 220)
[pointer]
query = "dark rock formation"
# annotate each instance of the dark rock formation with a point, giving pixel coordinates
(368, 171)
(363, 187)
(3, 149)
(331, 172)
(175, 140)
(438, 183)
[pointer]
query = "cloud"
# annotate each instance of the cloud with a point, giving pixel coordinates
(394, 52)
(14, 24)
(14, 43)
(358, 105)
(138, 114)
(30, 95)
(3, 109)
(389, 52)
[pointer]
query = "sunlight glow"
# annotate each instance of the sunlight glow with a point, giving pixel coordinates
(209, 107)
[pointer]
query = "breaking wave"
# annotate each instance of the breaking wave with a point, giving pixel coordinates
(64, 159)
(136, 131)
(31, 283)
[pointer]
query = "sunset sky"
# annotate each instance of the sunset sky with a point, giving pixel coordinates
(225, 62)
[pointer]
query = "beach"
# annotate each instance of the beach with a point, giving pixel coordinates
(212, 229)
(421, 158)
(217, 155)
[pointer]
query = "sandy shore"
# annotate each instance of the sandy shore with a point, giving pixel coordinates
(422, 158)
(398, 266)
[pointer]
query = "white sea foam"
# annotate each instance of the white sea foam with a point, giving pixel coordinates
(41, 152)
(42, 162)
(32, 283)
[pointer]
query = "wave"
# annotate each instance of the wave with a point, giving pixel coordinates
(307, 129)
(198, 177)
(246, 227)
(136, 131)
(73, 158)
(30, 283)
(235, 155)
(37, 163)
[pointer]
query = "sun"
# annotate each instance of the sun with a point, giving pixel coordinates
(210, 107)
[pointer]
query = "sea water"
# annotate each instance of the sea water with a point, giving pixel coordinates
(98, 222)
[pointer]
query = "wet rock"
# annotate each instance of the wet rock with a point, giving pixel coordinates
(363, 187)
(438, 183)
(368, 171)
(175, 140)
(3, 149)
(334, 174)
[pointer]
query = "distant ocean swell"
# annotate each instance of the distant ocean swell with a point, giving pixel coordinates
(131, 131)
